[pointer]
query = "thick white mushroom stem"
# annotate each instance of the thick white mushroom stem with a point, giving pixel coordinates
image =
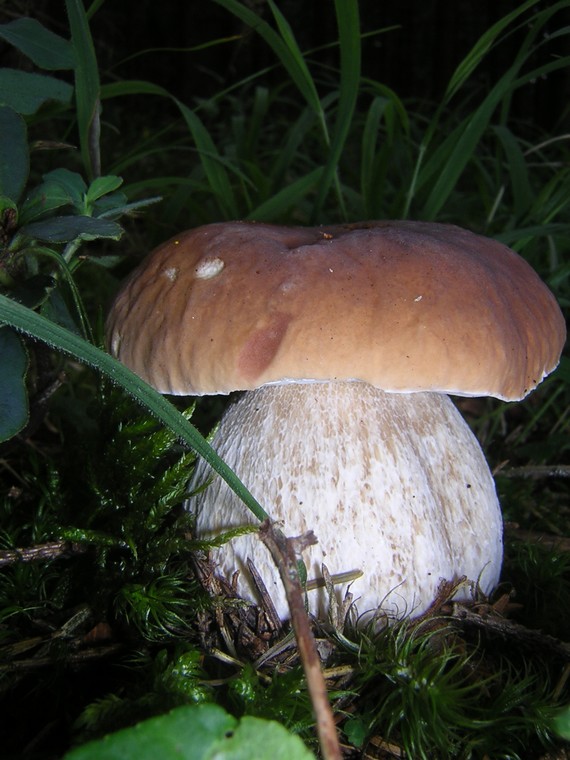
(395, 485)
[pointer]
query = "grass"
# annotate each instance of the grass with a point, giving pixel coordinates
(106, 619)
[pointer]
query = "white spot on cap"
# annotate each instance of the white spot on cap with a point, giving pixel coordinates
(287, 286)
(171, 273)
(209, 268)
(418, 298)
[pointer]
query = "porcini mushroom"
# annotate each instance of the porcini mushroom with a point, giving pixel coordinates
(348, 339)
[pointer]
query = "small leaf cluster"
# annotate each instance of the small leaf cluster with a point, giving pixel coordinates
(43, 225)
(282, 696)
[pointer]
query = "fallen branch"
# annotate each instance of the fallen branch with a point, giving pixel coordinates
(51, 550)
(537, 471)
(508, 629)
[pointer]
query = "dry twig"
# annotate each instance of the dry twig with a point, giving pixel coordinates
(285, 553)
(51, 550)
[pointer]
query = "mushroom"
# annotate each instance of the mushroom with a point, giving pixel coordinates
(347, 340)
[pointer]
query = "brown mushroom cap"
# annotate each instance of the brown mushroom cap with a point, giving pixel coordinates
(404, 306)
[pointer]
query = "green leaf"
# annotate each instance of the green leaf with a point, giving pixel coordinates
(103, 185)
(87, 88)
(271, 740)
(26, 92)
(13, 394)
(42, 200)
(14, 156)
(201, 732)
(39, 327)
(63, 229)
(72, 182)
(46, 49)
(562, 723)
(356, 731)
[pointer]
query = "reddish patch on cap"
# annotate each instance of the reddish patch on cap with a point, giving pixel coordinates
(259, 351)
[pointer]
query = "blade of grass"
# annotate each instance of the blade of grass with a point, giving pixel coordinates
(515, 238)
(374, 161)
(480, 50)
(71, 284)
(291, 143)
(450, 159)
(86, 87)
(285, 48)
(465, 140)
(554, 197)
(213, 163)
(93, 8)
(348, 21)
(27, 321)
(518, 170)
(279, 203)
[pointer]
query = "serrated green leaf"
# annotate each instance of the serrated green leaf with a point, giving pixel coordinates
(14, 156)
(13, 394)
(46, 49)
(26, 92)
(63, 229)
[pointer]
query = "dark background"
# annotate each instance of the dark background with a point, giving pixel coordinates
(416, 59)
